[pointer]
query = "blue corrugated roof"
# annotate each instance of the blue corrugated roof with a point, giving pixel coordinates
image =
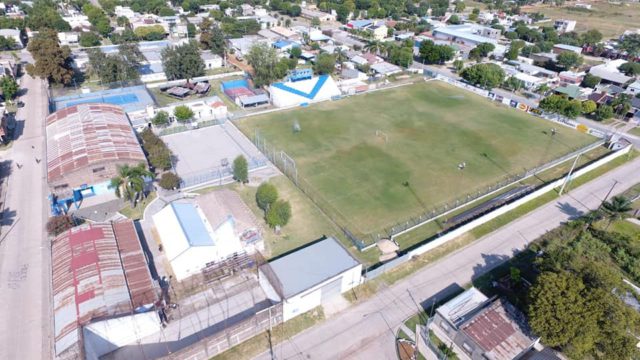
(192, 224)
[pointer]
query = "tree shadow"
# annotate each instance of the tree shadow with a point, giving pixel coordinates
(17, 128)
(6, 169)
(7, 217)
(570, 210)
(488, 263)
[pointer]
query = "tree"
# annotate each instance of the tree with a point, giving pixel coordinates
(157, 151)
(266, 195)
(129, 183)
(591, 37)
(325, 64)
(160, 119)
(117, 67)
(9, 88)
(279, 213)
(557, 305)
(616, 208)
(44, 15)
(7, 43)
(604, 112)
(315, 22)
(52, 61)
(212, 38)
(474, 14)
(56, 225)
(183, 113)
(182, 62)
(485, 75)
(97, 18)
(454, 20)
(295, 52)
(631, 44)
(481, 51)
(460, 6)
(241, 169)
(569, 59)
(590, 81)
(621, 104)
(169, 181)
(589, 106)
(263, 59)
(458, 65)
(89, 39)
(435, 54)
(513, 84)
(150, 33)
(630, 68)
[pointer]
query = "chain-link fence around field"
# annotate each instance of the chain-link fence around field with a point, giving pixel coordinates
(363, 240)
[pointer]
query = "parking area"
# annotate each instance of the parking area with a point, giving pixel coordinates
(207, 153)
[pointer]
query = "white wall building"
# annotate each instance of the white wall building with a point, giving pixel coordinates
(211, 60)
(292, 93)
(310, 276)
(190, 242)
(562, 25)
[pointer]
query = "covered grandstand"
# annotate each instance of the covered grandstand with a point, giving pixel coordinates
(294, 93)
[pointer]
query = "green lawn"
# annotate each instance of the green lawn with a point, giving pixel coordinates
(430, 129)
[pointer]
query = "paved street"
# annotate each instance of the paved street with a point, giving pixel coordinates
(25, 318)
(366, 331)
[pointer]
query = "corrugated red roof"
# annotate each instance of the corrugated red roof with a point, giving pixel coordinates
(136, 270)
(500, 330)
(99, 269)
(86, 135)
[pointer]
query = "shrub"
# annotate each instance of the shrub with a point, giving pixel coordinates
(59, 224)
(279, 214)
(157, 151)
(241, 169)
(183, 113)
(169, 181)
(266, 195)
(161, 119)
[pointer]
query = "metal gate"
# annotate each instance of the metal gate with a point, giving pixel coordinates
(331, 290)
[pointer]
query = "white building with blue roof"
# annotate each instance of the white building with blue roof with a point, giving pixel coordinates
(190, 242)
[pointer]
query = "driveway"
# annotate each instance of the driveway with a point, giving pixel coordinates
(366, 331)
(25, 256)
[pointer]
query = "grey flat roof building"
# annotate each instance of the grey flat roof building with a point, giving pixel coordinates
(311, 265)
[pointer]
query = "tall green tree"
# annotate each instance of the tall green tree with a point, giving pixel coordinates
(129, 183)
(241, 169)
(604, 112)
(630, 68)
(263, 59)
(183, 113)
(279, 213)
(569, 59)
(52, 61)
(121, 66)
(212, 38)
(631, 44)
(435, 54)
(44, 15)
(485, 75)
(9, 88)
(325, 64)
(616, 208)
(266, 195)
(7, 43)
(182, 62)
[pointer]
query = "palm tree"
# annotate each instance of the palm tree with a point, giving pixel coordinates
(622, 104)
(129, 183)
(376, 47)
(616, 208)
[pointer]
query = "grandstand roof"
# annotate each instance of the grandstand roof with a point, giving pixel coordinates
(83, 135)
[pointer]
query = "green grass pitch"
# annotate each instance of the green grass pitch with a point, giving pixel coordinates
(430, 128)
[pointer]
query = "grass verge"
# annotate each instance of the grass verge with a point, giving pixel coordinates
(282, 332)
(137, 212)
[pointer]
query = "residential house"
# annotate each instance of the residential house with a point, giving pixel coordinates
(68, 38)
(243, 45)
(124, 11)
(13, 34)
(560, 48)
(247, 10)
(563, 26)
(8, 65)
(600, 98)
(634, 88)
(309, 13)
(571, 77)
(572, 91)
(609, 72)
(78, 21)
(211, 60)
(481, 328)
(379, 31)
(284, 32)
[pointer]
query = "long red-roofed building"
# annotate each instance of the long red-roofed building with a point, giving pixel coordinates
(86, 143)
(98, 271)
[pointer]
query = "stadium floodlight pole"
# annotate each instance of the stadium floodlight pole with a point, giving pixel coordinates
(568, 178)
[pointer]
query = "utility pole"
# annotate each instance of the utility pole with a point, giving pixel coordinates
(568, 178)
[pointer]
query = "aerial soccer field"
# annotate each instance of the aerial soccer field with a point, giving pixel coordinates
(383, 157)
